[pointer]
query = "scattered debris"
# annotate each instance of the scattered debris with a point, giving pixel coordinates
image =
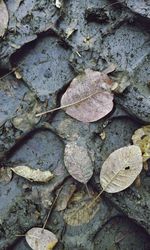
(141, 137)
(5, 175)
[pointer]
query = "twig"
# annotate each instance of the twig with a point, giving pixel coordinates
(49, 213)
(67, 105)
(13, 70)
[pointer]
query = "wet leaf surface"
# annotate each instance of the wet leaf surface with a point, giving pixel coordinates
(3, 18)
(78, 162)
(91, 93)
(33, 174)
(41, 239)
(80, 210)
(120, 169)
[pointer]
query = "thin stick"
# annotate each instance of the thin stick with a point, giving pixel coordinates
(49, 213)
(67, 105)
(9, 73)
(112, 4)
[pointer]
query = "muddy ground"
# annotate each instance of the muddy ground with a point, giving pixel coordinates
(50, 46)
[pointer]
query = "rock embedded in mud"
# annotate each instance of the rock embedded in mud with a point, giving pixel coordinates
(135, 103)
(50, 69)
(26, 20)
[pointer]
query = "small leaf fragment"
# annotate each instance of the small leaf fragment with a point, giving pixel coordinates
(41, 239)
(33, 174)
(78, 162)
(3, 18)
(141, 137)
(65, 195)
(120, 169)
(91, 94)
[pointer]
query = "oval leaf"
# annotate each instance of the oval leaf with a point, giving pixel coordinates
(78, 162)
(41, 239)
(32, 174)
(90, 93)
(121, 169)
(3, 18)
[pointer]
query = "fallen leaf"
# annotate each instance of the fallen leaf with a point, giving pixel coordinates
(78, 162)
(141, 137)
(91, 96)
(41, 239)
(3, 18)
(121, 169)
(33, 174)
(82, 211)
(65, 195)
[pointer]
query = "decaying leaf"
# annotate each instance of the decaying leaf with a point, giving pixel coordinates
(78, 162)
(5, 175)
(141, 137)
(33, 174)
(121, 169)
(81, 211)
(41, 239)
(90, 93)
(65, 195)
(3, 18)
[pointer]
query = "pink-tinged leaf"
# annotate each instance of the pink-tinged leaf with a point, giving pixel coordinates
(91, 95)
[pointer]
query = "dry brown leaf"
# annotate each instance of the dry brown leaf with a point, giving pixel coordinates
(141, 137)
(3, 18)
(78, 162)
(121, 169)
(33, 174)
(82, 211)
(41, 239)
(90, 93)
(65, 195)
